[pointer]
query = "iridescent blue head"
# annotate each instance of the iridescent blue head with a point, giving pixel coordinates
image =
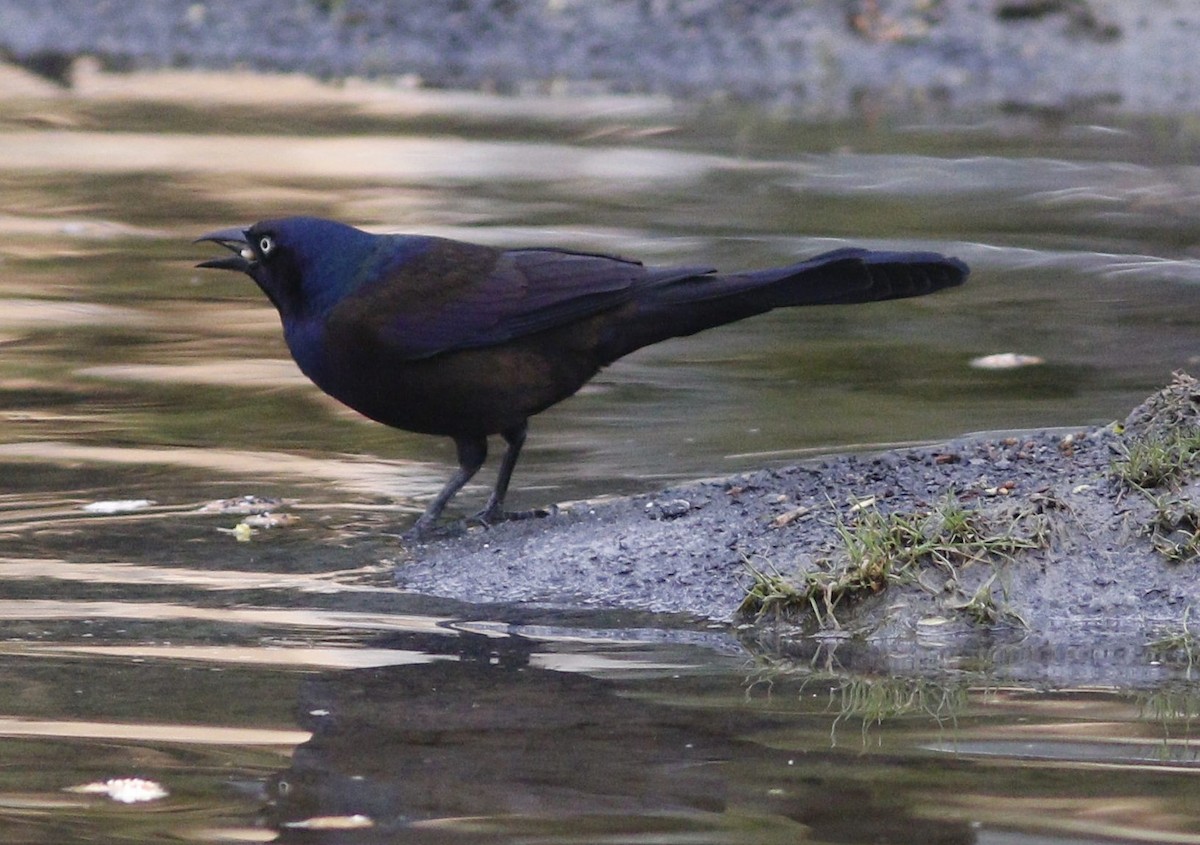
(305, 265)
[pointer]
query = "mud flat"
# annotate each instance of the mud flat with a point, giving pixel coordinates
(1052, 540)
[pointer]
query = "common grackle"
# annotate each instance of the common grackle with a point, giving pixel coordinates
(444, 337)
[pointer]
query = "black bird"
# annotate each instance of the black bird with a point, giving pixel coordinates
(445, 337)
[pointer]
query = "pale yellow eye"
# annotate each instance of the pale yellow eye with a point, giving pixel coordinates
(266, 244)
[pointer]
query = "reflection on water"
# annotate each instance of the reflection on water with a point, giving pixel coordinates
(430, 729)
(283, 689)
(278, 692)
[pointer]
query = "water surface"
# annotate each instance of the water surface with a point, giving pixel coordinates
(281, 688)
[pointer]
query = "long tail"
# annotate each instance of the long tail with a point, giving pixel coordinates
(671, 305)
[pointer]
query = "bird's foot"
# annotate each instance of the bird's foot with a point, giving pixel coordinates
(416, 533)
(423, 529)
(490, 516)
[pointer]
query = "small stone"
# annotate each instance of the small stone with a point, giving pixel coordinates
(668, 508)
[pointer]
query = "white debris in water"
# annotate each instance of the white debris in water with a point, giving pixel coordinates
(125, 790)
(1006, 361)
(271, 520)
(118, 506)
(240, 505)
(354, 822)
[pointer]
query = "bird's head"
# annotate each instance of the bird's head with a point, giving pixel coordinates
(303, 264)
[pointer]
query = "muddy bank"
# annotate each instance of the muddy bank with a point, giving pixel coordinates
(1105, 555)
(821, 59)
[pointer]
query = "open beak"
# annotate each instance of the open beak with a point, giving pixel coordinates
(233, 240)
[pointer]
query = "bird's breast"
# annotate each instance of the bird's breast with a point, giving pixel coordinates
(307, 341)
(472, 392)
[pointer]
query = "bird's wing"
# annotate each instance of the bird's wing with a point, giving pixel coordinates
(461, 296)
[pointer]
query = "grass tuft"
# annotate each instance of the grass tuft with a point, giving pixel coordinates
(1167, 461)
(878, 549)
(1178, 641)
(1158, 460)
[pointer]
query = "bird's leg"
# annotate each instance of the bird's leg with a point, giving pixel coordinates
(494, 510)
(472, 452)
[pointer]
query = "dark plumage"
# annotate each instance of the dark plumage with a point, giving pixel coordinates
(451, 338)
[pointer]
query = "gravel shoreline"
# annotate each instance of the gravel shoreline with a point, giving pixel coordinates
(821, 59)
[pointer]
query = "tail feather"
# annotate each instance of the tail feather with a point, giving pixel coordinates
(673, 306)
(891, 275)
(840, 277)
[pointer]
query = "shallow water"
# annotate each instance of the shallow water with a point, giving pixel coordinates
(270, 683)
